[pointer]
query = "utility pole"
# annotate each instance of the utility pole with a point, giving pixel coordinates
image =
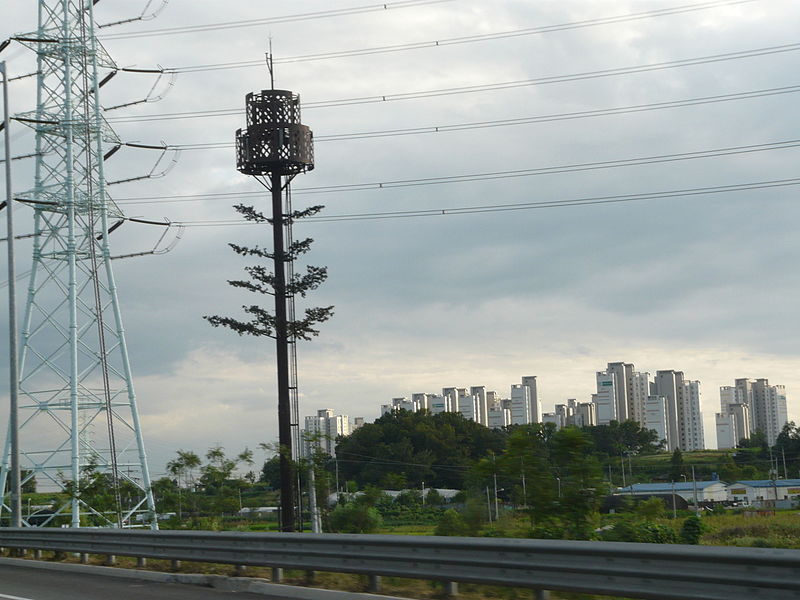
(674, 508)
(783, 455)
(694, 487)
(316, 522)
(13, 420)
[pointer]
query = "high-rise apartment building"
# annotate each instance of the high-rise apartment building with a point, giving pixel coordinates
(520, 404)
(499, 417)
(655, 415)
(766, 405)
(769, 408)
(322, 430)
(578, 414)
(623, 389)
(529, 381)
(734, 402)
(468, 407)
(640, 385)
(605, 400)
(585, 414)
(726, 430)
(691, 430)
(479, 393)
(669, 385)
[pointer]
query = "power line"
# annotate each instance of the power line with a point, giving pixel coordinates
(586, 201)
(486, 87)
(323, 14)
(490, 175)
(526, 120)
(470, 38)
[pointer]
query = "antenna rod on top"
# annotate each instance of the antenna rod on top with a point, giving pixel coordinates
(270, 67)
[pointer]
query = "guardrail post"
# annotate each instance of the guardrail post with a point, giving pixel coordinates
(451, 589)
(240, 569)
(310, 577)
(175, 564)
(541, 595)
(141, 562)
(375, 584)
(277, 575)
(111, 560)
(37, 554)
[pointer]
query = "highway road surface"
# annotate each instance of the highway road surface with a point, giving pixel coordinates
(26, 583)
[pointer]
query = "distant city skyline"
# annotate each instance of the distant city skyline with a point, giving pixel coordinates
(670, 404)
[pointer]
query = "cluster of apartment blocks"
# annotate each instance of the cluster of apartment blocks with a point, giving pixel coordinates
(749, 406)
(321, 430)
(478, 404)
(668, 404)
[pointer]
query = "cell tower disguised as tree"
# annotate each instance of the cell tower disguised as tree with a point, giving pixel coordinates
(274, 148)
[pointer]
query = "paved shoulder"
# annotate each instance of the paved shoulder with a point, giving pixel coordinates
(28, 583)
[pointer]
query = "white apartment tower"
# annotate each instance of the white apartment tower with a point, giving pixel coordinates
(482, 405)
(732, 402)
(529, 381)
(585, 414)
(769, 408)
(605, 400)
(520, 404)
(640, 384)
(499, 417)
(692, 437)
(766, 403)
(669, 385)
(623, 390)
(726, 430)
(655, 415)
(578, 414)
(322, 430)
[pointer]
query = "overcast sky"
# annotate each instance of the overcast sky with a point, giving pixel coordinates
(706, 284)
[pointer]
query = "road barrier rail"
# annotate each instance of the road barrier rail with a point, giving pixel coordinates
(648, 571)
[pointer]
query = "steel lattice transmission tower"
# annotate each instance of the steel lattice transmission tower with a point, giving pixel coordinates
(78, 417)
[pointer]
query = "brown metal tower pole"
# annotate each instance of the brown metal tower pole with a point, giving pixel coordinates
(275, 147)
(282, 351)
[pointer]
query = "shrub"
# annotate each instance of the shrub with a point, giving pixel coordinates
(633, 531)
(354, 518)
(452, 523)
(548, 531)
(692, 530)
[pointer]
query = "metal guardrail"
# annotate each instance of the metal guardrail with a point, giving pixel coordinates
(650, 571)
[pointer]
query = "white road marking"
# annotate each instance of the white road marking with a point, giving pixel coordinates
(13, 597)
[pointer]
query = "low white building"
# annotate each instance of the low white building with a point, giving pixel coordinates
(759, 491)
(707, 491)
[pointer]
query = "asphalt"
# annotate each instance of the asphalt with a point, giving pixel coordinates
(22, 579)
(26, 583)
